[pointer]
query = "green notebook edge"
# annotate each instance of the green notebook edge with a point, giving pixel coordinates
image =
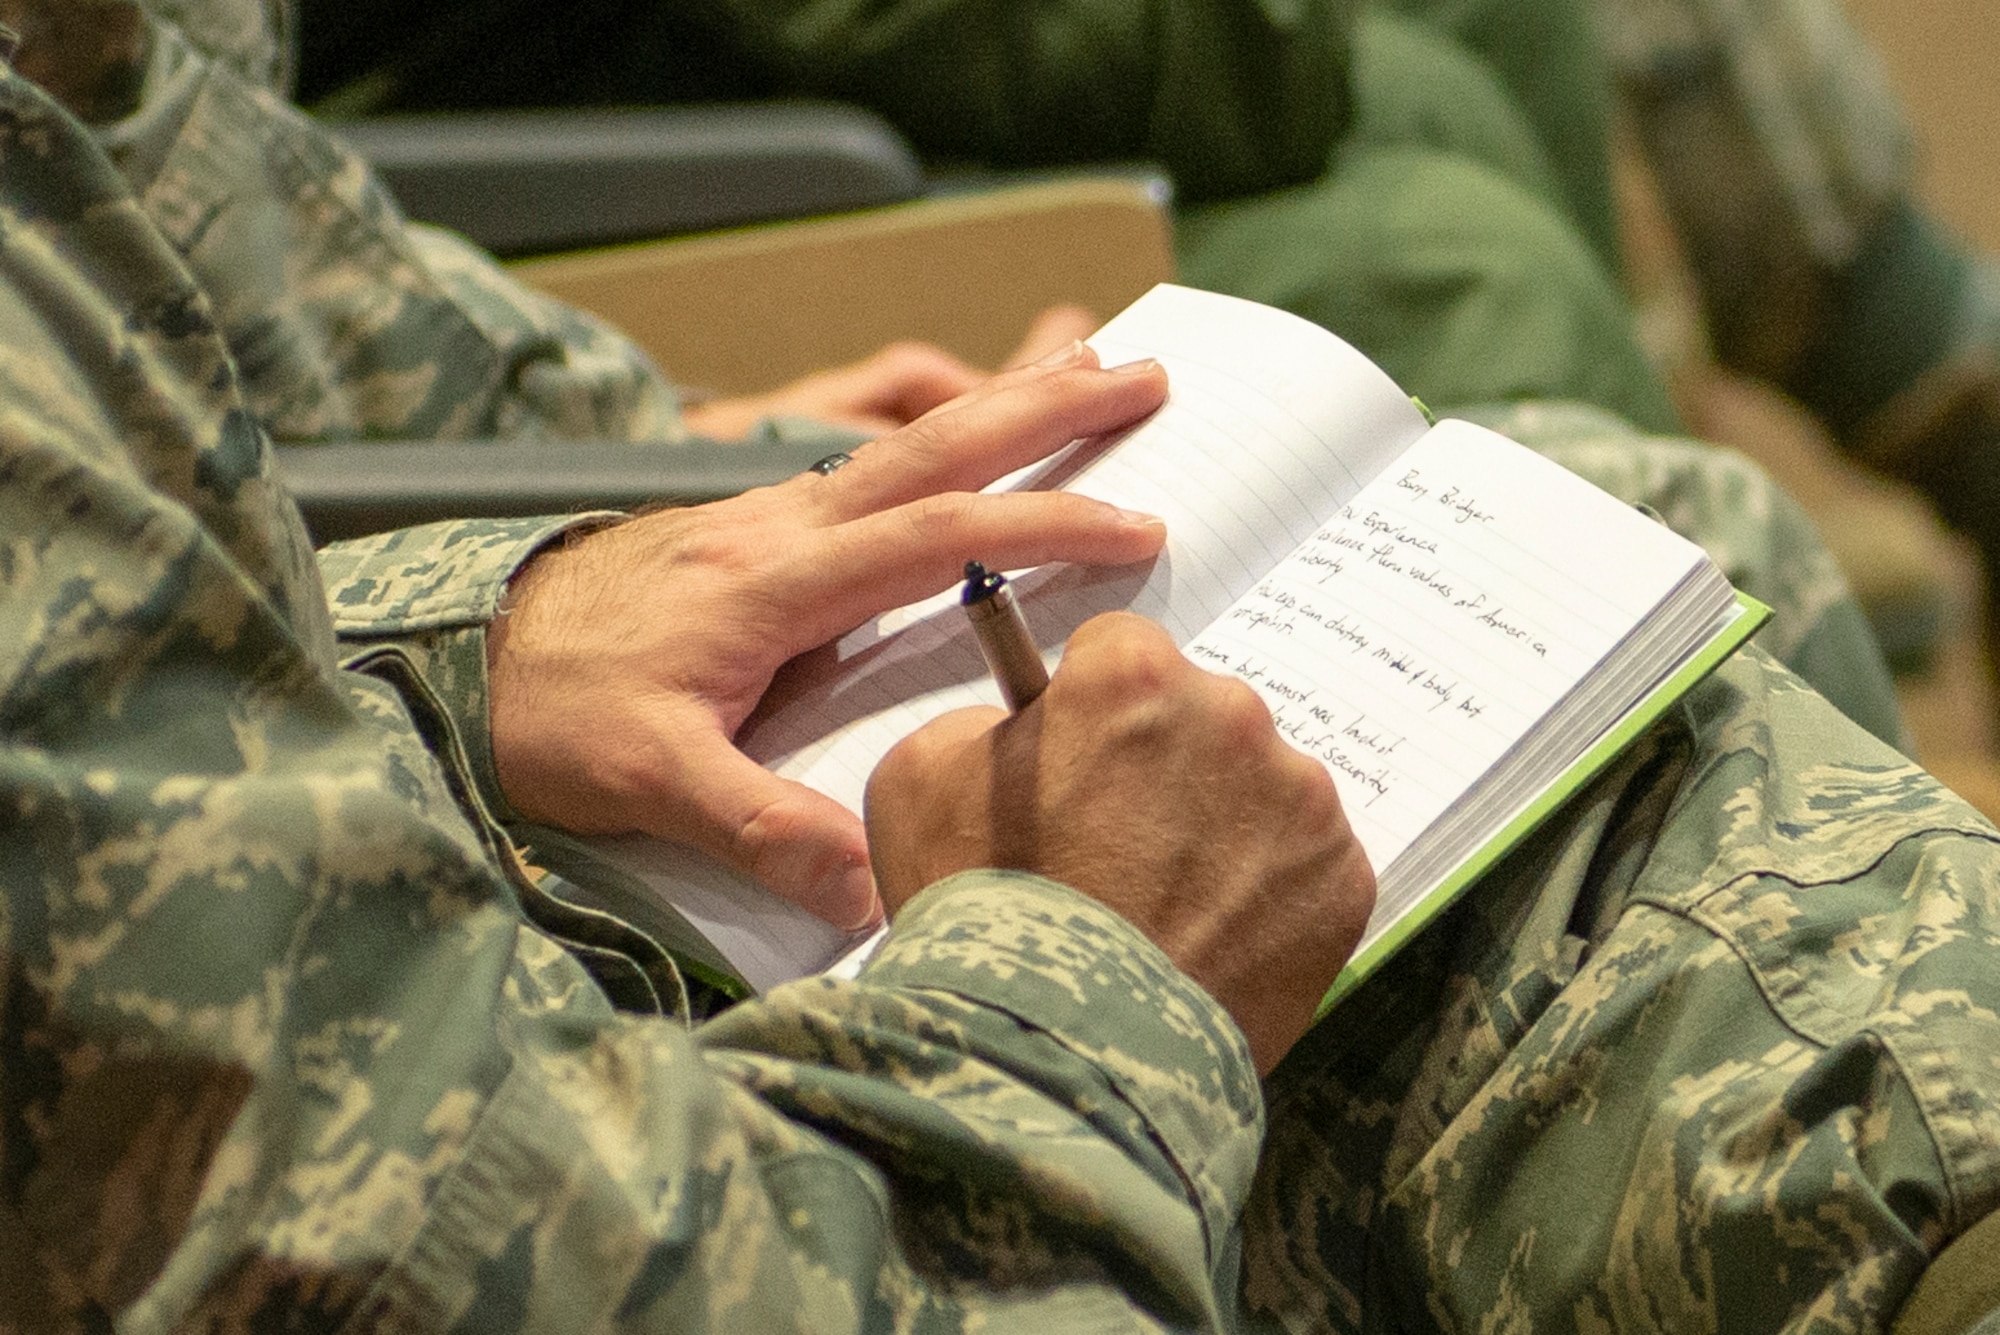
(1593, 762)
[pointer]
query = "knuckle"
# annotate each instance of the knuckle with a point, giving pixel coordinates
(937, 519)
(901, 766)
(1239, 707)
(1318, 799)
(937, 436)
(764, 831)
(911, 762)
(1124, 658)
(1118, 634)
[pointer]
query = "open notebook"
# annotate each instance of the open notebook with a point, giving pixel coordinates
(1462, 631)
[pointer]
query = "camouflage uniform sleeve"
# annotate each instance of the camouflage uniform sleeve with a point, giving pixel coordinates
(286, 1038)
(345, 319)
(946, 1143)
(430, 592)
(1012, 975)
(1717, 1050)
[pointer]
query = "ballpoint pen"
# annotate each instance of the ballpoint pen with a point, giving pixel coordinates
(1003, 636)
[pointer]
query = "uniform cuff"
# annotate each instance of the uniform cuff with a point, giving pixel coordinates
(431, 591)
(434, 575)
(1064, 966)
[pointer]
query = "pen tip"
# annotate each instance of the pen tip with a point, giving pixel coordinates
(980, 583)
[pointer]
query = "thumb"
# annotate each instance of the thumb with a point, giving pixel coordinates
(801, 844)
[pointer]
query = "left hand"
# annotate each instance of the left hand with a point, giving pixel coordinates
(630, 656)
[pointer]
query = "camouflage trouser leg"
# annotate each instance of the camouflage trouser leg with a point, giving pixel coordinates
(1717, 1050)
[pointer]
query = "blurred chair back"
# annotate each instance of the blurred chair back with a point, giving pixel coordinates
(735, 311)
(530, 182)
(750, 309)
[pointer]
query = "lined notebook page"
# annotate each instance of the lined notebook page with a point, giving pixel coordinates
(1436, 617)
(1271, 426)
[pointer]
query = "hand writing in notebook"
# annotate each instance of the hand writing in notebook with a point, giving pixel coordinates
(1457, 630)
(1160, 790)
(630, 657)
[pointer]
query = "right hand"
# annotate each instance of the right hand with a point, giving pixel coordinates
(1160, 790)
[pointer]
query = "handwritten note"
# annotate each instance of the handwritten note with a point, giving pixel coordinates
(1411, 601)
(1271, 425)
(1431, 621)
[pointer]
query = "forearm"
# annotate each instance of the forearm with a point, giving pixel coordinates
(402, 1067)
(304, 1039)
(426, 1104)
(292, 1011)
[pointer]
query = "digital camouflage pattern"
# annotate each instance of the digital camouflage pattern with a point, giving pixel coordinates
(1716, 1052)
(347, 320)
(287, 1038)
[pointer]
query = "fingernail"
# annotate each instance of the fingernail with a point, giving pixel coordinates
(845, 897)
(1144, 366)
(1063, 356)
(1140, 519)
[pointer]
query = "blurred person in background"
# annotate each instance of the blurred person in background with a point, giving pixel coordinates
(1305, 143)
(1785, 164)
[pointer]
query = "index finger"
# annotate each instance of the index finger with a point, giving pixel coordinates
(1016, 419)
(860, 569)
